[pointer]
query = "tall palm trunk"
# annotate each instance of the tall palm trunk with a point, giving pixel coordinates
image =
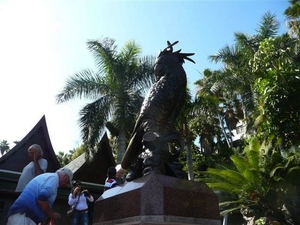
(121, 145)
(189, 159)
(229, 143)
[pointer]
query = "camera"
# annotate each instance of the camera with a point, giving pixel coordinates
(86, 193)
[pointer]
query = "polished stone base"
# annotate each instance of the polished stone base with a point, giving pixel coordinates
(158, 199)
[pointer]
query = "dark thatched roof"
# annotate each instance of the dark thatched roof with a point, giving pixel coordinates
(17, 157)
(95, 170)
(92, 172)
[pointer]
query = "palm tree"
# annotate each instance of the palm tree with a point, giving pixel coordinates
(238, 74)
(212, 97)
(293, 18)
(184, 120)
(4, 147)
(63, 158)
(116, 89)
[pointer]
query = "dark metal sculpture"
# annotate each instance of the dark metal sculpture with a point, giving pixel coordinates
(155, 144)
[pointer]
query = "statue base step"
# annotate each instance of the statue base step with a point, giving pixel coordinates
(158, 199)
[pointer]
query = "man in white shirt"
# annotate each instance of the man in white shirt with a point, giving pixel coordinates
(37, 166)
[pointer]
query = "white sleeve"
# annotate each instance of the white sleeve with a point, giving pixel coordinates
(90, 198)
(43, 164)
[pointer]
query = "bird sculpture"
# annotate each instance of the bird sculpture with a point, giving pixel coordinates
(155, 143)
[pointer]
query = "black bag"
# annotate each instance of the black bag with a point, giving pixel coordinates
(70, 212)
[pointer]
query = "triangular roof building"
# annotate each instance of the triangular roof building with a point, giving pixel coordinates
(17, 158)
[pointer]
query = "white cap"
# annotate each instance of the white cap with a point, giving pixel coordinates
(68, 172)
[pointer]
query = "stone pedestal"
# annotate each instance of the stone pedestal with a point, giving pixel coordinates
(158, 199)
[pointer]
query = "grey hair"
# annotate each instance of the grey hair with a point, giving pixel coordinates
(118, 167)
(36, 147)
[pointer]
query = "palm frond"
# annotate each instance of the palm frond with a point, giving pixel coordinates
(253, 157)
(104, 52)
(228, 176)
(248, 43)
(130, 53)
(293, 11)
(228, 211)
(240, 163)
(92, 117)
(225, 55)
(268, 26)
(85, 84)
(224, 187)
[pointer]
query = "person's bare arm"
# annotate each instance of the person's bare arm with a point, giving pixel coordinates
(44, 205)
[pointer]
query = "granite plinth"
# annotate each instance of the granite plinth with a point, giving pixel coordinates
(158, 199)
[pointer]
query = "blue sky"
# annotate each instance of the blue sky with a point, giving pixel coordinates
(43, 42)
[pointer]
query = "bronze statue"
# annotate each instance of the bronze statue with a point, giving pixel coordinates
(155, 144)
